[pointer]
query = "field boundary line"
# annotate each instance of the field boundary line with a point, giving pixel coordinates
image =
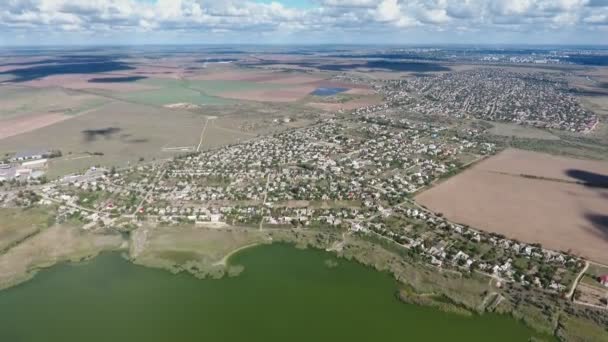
(200, 142)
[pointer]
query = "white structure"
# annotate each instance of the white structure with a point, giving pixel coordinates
(35, 164)
(30, 155)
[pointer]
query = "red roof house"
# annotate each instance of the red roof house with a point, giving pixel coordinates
(603, 280)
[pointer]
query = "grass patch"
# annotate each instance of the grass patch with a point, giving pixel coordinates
(199, 251)
(440, 302)
(577, 330)
(19, 224)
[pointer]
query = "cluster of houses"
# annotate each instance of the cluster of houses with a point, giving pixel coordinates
(349, 174)
(446, 244)
(327, 162)
(535, 99)
(358, 162)
(531, 59)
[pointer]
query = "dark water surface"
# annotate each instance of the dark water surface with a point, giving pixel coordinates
(284, 294)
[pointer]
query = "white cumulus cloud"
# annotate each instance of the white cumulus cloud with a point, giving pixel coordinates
(20, 17)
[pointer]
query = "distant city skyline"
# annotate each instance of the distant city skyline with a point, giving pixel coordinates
(95, 22)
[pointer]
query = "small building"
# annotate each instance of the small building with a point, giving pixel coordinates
(603, 280)
(23, 173)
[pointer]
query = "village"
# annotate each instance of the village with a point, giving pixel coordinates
(355, 175)
(495, 94)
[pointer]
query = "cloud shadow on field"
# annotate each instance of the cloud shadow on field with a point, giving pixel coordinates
(588, 92)
(124, 79)
(599, 223)
(92, 134)
(590, 179)
(41, 71)
(67, 59)
(137, 141)
(128, 139)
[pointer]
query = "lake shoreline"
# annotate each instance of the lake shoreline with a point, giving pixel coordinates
(264, 285)
(463, 294)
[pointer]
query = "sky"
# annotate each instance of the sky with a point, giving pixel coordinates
(424, 22)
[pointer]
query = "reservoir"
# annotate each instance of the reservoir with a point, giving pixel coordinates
(328, 91)
(283, 294)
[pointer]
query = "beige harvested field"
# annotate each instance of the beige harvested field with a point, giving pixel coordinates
(360, 91)
(260, 76)
(293, 79)
(552, 210)
(350, 105)
(16, 126)
(518, 162)
(132, 132)
(217, 136)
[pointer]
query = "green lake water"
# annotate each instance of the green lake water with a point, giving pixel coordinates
(284, 294)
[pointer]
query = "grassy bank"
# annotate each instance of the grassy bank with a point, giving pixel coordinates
(52, 245)
(203, 252)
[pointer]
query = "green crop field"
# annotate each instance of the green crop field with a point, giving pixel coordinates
(172, 95)
(191, 91)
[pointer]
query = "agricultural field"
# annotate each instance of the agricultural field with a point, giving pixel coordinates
(108, 114)
(198, 92)
(519, 131)
(589, 290)
(523, 195)
(25, 110)
(112, 128)
(114, 134)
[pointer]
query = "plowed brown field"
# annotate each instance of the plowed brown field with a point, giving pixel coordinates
(531, 197)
